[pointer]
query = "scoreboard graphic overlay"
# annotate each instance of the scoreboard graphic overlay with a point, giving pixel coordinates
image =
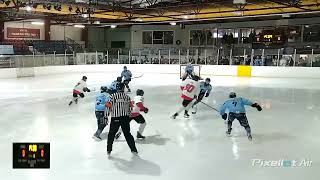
(31, 155)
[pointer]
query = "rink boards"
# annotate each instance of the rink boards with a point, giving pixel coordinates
(210, 70)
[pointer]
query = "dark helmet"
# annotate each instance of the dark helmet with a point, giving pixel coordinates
(84, 78)
(208, 80)
(119, 79)
(104, 89)
(125, 67)
(120, 87)
(140, 92)
(232, 95)
(196, 78)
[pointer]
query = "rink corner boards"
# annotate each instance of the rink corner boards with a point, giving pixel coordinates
(244, 71)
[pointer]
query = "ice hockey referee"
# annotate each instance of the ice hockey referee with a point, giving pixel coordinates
(120, 112)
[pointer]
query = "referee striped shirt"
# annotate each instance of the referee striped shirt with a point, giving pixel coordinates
(120, 104)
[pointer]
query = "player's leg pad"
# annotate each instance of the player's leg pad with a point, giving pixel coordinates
(242, 118)
(139, 119)
(185, 102)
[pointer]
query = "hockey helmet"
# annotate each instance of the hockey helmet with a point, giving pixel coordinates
(232, 95)
(120, 87)
(125, 67)
(208, 80)
(140, 92)
(104, 89)
(119, 79)
(84, 78)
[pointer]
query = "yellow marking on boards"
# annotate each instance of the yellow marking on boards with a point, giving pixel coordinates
(244, 71)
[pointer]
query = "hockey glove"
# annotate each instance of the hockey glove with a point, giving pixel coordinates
(255, 105)
(207, 94)
(224, 116)
(146, 110)
(86, 89)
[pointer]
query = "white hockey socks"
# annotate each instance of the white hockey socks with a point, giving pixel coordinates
(141, 127)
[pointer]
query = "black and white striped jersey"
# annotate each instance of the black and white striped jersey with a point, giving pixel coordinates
(120, 104)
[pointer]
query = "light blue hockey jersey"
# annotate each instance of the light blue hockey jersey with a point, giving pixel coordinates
(101, 101)
(126, 74)
(205, 88)
(189, 69)
(113, 85)
(235, 105)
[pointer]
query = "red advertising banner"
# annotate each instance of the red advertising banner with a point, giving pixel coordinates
(23, 33)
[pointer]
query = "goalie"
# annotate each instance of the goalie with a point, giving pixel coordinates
(189, 72)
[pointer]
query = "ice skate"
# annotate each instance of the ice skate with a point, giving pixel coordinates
(186, 115)
(249, 137)
(76, 101)
(108, 154)
(228, 133)
(97, 138)
(174, 116)
(117, 135)
(194, 109)
(134, 153)
(139, 136)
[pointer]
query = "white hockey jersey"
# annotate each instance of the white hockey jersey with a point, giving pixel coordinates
(190, 89)
(137, 105)
(79, 86)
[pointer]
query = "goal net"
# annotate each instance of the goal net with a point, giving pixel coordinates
(24, 66)
(197, 70)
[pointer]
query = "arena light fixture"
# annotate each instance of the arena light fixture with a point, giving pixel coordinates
(173, 23)
(28, 8)
(85, 15)
(79, 26)
(139, 19)
(96, 22)
(37, 23)
(185, 17)
(113, 26)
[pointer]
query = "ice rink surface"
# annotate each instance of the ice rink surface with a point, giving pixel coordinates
(36, 110)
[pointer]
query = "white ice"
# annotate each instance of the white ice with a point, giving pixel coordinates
(36, 110)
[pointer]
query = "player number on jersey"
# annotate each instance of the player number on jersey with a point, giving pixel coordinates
(189, 87)
(234, 103)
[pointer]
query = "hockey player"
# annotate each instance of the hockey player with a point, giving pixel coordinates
(78, 90)
(205, 89)
(101, 111)
(127, 77)
(137, 106)
(113, 86)
(236, 108)
(189, 72)
(190, 89)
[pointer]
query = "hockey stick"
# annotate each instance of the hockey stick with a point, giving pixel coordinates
(210, 106)
(137, 77)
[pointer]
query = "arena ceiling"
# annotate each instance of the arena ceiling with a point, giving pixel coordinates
(103, 12)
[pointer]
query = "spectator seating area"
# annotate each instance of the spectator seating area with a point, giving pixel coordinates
(58, 47)
(21, 47)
